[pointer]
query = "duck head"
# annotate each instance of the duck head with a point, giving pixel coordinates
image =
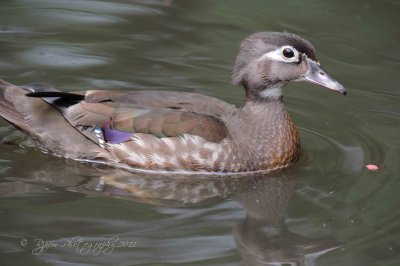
(269, 60)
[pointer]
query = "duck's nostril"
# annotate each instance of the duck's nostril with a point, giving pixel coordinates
(322, 73)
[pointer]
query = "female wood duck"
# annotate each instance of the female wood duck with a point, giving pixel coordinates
(176, 130)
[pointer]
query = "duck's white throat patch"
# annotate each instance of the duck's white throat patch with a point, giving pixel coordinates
(271, 93)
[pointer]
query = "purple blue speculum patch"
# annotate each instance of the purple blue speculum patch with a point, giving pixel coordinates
(114, 136)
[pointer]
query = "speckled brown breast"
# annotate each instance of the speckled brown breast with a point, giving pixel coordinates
(264, 137)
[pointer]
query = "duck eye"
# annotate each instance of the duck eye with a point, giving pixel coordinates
(288, 53)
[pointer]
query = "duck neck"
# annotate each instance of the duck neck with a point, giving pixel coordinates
(263, 132)
(261, 111)
(266, 93)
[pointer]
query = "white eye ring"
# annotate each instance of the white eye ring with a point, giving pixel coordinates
(277, 55)
(294, 58)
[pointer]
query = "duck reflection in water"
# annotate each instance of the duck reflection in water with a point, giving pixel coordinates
(262, 237)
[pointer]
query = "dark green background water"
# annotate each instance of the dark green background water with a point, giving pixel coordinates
(327, 210)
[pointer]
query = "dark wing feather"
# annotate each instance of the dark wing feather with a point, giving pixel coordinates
(83, 116)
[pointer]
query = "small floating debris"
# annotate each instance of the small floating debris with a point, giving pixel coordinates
(372, 167)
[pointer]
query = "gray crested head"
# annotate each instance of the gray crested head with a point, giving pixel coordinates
(269, 60)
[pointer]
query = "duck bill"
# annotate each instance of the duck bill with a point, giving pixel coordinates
(318, 75)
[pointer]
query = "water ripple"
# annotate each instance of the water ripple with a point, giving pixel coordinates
(63, 57)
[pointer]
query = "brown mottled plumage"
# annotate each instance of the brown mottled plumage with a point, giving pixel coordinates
(177, 130)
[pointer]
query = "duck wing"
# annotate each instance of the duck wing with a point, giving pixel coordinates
(114, 117)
